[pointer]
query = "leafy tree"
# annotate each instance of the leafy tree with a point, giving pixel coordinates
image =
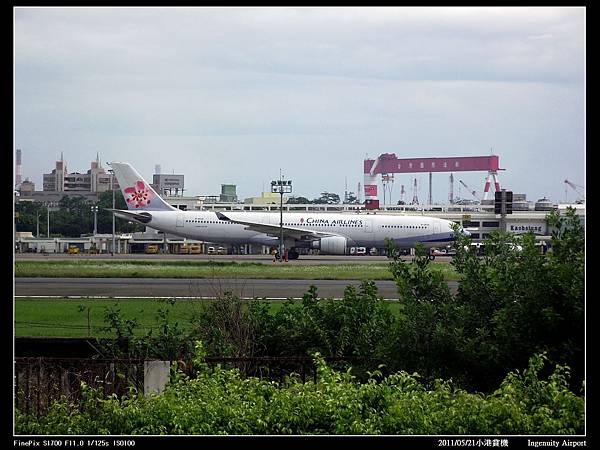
(26, 216)
(355, 327)
(510, 304)
(298, 200)
(429, 332)
(105, 216)
(352, 199)
(74, 216)
(328, 198)
(166, 340)
(225, 327)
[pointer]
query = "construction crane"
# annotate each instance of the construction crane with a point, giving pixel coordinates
(576, 188)
(473, 193)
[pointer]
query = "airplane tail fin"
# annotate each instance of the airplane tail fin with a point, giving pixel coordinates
(138, 194)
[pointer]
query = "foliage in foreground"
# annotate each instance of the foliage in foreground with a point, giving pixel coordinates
(222, 402)
(510, 305)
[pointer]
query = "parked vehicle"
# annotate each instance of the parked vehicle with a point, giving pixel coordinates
(358, 251)
(195, 249)
(151, 249)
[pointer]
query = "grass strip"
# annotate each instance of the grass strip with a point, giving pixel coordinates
(79, 318)
(210, 269)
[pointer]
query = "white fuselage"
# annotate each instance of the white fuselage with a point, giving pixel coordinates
(365, 230)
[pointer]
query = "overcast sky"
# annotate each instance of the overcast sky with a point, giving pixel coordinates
(233, 95)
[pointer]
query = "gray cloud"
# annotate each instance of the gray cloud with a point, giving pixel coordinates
(234, 94)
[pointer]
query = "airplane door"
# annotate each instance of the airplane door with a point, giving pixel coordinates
(368, 225)
(179, 222)
(436, 227)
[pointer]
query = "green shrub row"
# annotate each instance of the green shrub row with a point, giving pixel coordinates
(222, 402)
(510, 305)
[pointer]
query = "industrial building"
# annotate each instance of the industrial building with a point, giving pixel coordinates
(94, 180)
(59, 183)
(171, 185)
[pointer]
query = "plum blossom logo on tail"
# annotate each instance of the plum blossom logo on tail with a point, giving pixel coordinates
(138, 195)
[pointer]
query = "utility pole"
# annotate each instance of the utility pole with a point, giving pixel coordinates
(430, 195)
(345, 190)
(280, 217)
(48, 219)
(112, 188)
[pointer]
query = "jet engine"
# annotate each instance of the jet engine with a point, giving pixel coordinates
(334, 245)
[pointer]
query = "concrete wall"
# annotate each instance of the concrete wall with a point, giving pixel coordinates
(156, 376)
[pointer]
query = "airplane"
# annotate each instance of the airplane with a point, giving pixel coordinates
(330, 233)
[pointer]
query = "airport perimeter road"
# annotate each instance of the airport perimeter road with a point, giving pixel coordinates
(264, 259)
(175, 287)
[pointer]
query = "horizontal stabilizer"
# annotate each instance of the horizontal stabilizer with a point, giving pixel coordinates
(142, 216)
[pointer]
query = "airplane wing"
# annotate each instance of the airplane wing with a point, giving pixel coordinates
(274, 230)
(142, 216)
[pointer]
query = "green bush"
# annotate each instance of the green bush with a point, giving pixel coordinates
(511, 303)
(222, 402)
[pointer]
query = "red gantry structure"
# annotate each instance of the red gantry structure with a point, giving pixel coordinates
(389, 163)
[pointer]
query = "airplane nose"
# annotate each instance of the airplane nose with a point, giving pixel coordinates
(465, 233)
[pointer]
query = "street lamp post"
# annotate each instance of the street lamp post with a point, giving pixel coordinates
(281, 187)
(112, 188)
(95, 211)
